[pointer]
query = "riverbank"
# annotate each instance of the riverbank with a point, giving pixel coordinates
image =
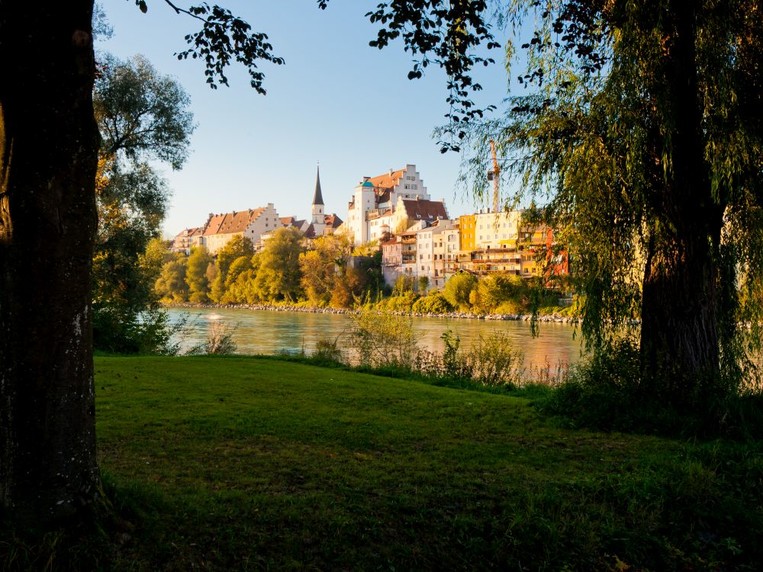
(547, 318)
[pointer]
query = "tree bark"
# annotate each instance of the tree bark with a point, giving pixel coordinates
(48, 159)
(679, 333)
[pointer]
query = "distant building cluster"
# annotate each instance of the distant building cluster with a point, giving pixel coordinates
(417, 239)
(257, 225)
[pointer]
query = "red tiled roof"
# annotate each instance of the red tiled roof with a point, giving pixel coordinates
(189, 232)
(388, 180)
(230, 223)
(421, 209)
(332, 221)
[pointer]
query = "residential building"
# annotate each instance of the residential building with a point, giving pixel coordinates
(252, 224)
(445, 250)
(186, 239)
(433, 245)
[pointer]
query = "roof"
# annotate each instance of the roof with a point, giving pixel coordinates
(331, 221)
(231, 223)
(422, 209)
(189, 232)
(318, 196)
(388, 180)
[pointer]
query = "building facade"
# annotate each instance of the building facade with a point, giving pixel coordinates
(251, 224)
(375, 200)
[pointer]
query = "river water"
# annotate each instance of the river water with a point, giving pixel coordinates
(270, 332)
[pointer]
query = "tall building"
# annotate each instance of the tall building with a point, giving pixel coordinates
(318, 222)
(375, 198)
(321, 224)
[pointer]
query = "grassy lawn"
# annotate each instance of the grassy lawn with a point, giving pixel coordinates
(254, 463)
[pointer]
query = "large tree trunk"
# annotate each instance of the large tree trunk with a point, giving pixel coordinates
(680, 345)
(679, 329)
(48, 157)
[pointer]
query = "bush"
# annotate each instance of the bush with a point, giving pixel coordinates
(400, 303)
(219, 341)
(493, 361)
(383, 340)
(606, 393)
(125, 332)
(434, 303)
(327, 352)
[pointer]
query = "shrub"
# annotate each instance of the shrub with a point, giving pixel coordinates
(125, 332)
(327, 352)
(605, 393)
(493, 361)
(400, 303)
(434, 303)
(219, 341)
(382, 340)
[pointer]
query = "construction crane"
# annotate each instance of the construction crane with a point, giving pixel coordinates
(494, 176)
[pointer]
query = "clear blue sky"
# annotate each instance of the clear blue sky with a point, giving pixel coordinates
(337, 101)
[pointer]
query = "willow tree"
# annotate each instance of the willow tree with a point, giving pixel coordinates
(48, 160)
(644, 132)
(641, 128)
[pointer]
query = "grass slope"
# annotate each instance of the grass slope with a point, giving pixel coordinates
(253, 463)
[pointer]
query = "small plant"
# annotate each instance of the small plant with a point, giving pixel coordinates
(551, 375)
(219, 341)
(493, 361)
(453, 363)
(381, 340)
(327, 352)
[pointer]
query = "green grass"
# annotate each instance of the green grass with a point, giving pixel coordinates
(250, 463)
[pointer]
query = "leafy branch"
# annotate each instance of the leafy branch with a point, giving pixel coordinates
(222, 39)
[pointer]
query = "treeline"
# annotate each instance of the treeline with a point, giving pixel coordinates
(284, 271)
(333, 274)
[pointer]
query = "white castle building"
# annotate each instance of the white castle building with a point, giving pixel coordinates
(376, 199)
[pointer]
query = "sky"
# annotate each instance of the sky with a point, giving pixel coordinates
(336, 102)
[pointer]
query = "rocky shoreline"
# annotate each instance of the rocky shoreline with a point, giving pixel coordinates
(550, 318)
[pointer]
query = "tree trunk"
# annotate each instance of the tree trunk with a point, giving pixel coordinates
(679, 333)
(48, 158)
(679, 329)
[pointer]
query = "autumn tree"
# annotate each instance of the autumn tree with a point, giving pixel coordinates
(278, 276)
(143, 118)
(197, 275)
(237, 247)
(323, 267)
(171, 285)
(458, 288)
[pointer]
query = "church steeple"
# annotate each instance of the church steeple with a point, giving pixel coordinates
(319, 220)
(318, 196)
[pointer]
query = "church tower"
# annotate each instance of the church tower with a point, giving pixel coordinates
(319, 219)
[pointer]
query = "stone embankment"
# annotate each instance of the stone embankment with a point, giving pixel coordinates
(547, 318)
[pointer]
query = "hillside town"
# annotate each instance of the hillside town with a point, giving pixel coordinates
(393, 213)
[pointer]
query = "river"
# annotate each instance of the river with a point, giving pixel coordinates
(270, 332)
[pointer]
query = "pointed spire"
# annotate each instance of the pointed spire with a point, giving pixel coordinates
(318, 197)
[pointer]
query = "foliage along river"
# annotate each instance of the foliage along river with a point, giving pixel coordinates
(271, 332)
